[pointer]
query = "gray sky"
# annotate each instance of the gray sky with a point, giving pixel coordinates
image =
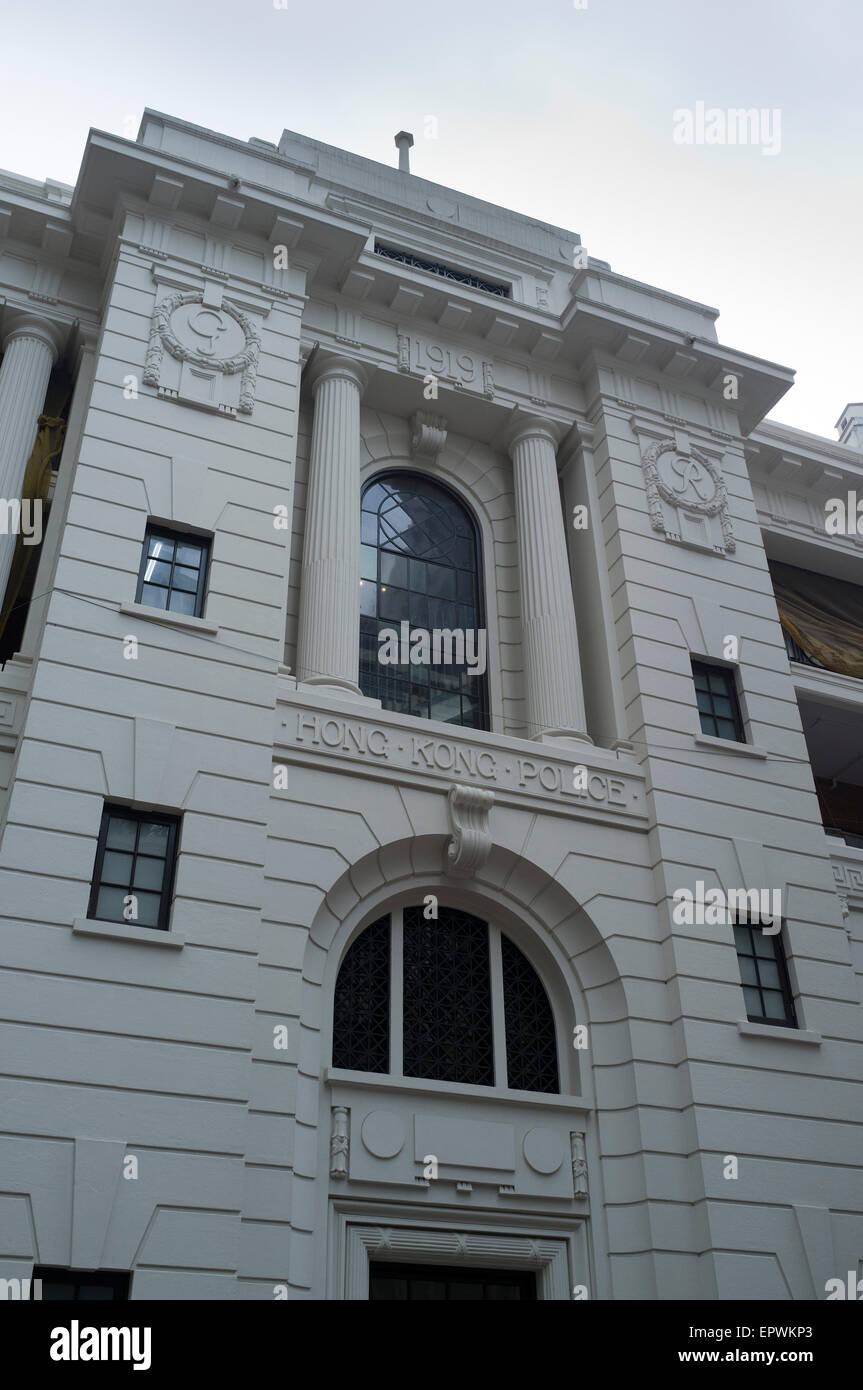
(559, 112)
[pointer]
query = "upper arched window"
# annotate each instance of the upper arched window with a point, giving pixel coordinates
(449, 998)
(423, 642)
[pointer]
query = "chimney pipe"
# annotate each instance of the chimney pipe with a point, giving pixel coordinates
(404, 140)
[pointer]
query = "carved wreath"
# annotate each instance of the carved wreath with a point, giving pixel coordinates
(162, 336)
(658, 489)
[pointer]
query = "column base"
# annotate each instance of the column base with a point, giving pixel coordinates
(337, 689)
(569, 738)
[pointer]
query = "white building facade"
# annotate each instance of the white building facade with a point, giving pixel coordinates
(329, 976)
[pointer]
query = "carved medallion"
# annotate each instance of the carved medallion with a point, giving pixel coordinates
(209, 345)
(686, 497)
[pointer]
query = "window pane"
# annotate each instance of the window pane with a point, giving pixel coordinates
(154, 597)
(394, 569)
(753, 1002)
(189, 554)
(121, 833)
(109, 906)
(185, 578)
(157, 572)
(116, 868)
(368, 562)
(153, 838)
(160, 548)
(769, 973)
(441, 582)
(394, 604)
(747, 970)
(148, 909)
(181, 602)
(149, 874)
(445, 707)
(763, 944)
(774, 1005)
(368, 598)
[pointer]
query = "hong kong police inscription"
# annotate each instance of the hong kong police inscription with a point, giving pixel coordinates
(502, 769)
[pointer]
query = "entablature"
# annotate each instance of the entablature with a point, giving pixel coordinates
(584, 782)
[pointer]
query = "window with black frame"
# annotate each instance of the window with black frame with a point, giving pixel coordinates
(473, 1009)
(717, 700)
(421, 575)
(134, 871)
(764, 975)
(173, 573)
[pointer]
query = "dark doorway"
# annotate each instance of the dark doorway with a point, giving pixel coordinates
(417, 1283)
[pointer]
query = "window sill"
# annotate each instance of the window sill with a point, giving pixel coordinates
(778, 1032)
(418, 1085)
(162, 615)
(141, 936)
(727, 745)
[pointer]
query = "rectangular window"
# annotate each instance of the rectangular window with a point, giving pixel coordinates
(173, 572)
(718, 706)
(764, 974)
(100, 1285)
(134, 871)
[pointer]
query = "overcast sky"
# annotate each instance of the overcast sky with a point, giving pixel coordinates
(563, 113)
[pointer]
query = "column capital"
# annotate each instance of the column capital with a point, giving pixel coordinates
(329, 366)
(21, 324)
(525, 426)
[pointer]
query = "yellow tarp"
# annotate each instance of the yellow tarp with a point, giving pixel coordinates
(823, 615)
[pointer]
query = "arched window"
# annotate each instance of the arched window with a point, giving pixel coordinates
(449, 998)
(423, 643)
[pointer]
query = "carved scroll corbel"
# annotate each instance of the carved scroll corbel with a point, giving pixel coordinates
(470, 846)
(428, 434)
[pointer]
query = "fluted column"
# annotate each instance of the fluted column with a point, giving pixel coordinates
(29, 352)
(555, 700)
(328, 648)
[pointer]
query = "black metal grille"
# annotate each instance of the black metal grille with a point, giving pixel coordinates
(447, 271)
(447, 998)
(531, 1048)
(796, 653)
(361, 1011)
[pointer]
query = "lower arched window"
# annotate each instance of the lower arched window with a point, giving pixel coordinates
(449, 998)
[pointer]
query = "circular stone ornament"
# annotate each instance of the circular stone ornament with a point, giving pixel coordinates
(543, 1150)
(383, 1134)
